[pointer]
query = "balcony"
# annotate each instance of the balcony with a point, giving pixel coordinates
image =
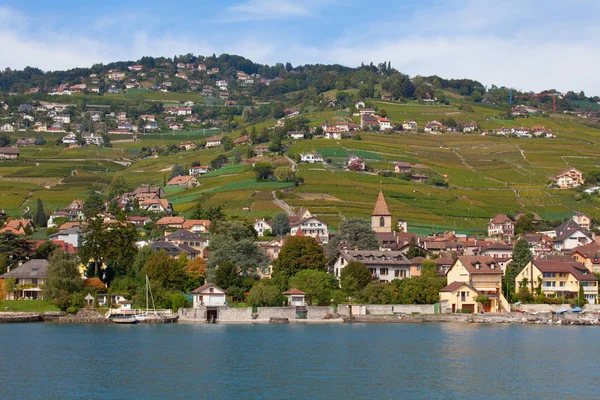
(590, 289)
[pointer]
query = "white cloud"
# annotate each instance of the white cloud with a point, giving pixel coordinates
(270, 9)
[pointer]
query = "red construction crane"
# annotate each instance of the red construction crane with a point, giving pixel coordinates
(528, 96)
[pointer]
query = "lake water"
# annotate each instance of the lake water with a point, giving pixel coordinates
(356, 361)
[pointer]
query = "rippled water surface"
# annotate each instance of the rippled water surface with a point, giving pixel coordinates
(396, 361)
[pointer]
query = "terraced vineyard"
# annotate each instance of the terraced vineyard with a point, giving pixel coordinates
(486, 175)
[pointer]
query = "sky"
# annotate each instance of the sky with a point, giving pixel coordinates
(524, 44)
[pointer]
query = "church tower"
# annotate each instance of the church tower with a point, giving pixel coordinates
(381, 219)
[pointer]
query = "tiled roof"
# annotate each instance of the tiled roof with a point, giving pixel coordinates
(381, 207)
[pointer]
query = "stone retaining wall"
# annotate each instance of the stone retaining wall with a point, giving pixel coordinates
(317, 312)
(276, 312)
(385, 309)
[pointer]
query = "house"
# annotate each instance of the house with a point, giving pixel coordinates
(469, 127)
(569, 178)
(51, 223)
(310, 226)
(402, 167)
(9, 153)
(295, 297)
(501, 225)
(92, 139)
(260, 150)
(139, 222)
(6, 128)
(311, 158)
(174, 250)
(498, 251)
(187, 145)
(332, 133)
(559, 279)
(29, 280)
(368, 121)
(384, 266)
(519, 130)
(410, 125)
(183, 237)
(110, 299)
(209, 295)
(570, 235)
(295, 135)
(483, 275)
(582, 220)
(17, 226)
(241, 140)
(70, 236)
(70, 139)
(261, 225)
(460, 296)
(433, 127)
(156, 205)
(355, 163)
(291, 112)
(381, 218)
(25, 142)
(214, 141)
(196, 225)
(384, 124)
(588, 255)
(170, 222)
(75, 208)
(200, 170)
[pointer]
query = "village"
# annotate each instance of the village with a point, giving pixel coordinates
(560, 267)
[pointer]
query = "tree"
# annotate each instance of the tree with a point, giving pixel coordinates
(237, 158)
(354, 277)
(117, 187)
(220, 161)
(280, 224)
(93, 246)
(233, 241)
(414, 250)
(15, 247)
(40, 141)
(39, 218)
(423, 289)
(226, 275)
(265, 294)
(298, 253)
(93, 205)
(120, 253)
(227, 143)
(213, 213)
(354, 233)
(317, 285)
(284, 174)
(44, 250)
(162, 270)
(521, 257)
(379, 293)
(263, 171)
(177, 171)
(524, 224)
(580, 296)
(62, 279)
(195, 271)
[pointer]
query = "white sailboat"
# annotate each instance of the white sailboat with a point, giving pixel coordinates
(148, 313)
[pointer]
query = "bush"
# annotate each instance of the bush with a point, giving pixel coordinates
(72, 310)
(178, 301)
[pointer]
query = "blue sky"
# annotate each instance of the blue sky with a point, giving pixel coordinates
(526, 44)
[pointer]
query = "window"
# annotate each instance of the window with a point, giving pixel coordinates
(400, 273)
(381, 221)
(383, 271)
(562, 284)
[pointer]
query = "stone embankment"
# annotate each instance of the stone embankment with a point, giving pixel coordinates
(14, 317)
(84, 316)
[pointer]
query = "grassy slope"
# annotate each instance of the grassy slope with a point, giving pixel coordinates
(27, 305)
(487, 175)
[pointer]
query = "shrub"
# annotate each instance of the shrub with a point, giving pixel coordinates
(72, 310)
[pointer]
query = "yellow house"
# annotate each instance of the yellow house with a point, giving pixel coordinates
(588, 255)
(483, 275)
(559, 279)
(459, 296)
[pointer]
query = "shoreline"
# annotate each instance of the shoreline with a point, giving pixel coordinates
(545, 318)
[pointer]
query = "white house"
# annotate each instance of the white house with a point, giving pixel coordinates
(261, 225)
(214, 141)
(209, 295)
(384, 124)
(70, 236)
(295, 297)
(570, 235)
(410, 125)
(71, 138)
(385, 266)
(312, 227)
(311, 158)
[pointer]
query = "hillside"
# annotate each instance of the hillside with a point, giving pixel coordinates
(485, 174)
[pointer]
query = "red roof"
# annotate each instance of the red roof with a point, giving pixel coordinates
(294, 291)
(381, 207)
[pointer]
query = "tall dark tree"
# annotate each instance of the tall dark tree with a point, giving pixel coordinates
(297, 254)
(355, 277)
(62, 279)
(39, 218)
(94, 243)
(414, 250)
(280, 224)
(15, 247)
(93, 205)
(520, 258)
(177, 171)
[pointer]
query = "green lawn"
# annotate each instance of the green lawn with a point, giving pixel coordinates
(27, 305)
